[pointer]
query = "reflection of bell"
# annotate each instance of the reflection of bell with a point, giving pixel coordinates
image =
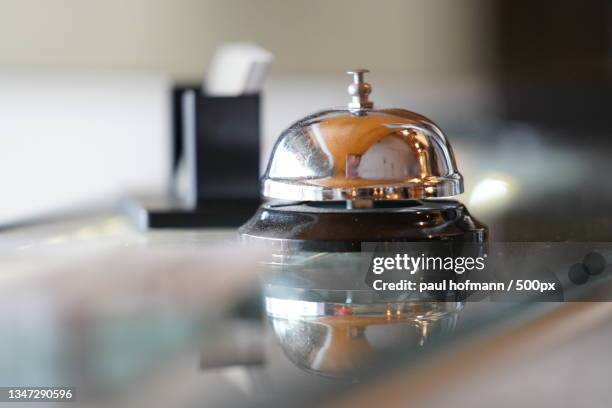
(346, 345)
(340, 177)
(335, 342)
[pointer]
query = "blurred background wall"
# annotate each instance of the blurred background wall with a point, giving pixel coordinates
(177, 37)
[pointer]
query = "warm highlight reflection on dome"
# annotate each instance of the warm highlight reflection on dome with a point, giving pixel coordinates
(328, 154)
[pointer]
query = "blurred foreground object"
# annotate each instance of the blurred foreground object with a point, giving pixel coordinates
(102, 308)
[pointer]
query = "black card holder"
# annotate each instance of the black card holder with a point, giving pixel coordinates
(216, 142)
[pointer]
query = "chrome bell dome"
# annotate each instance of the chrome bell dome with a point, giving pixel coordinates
(362, 153)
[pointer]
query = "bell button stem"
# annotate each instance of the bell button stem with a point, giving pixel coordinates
(357, 75)
(359, 90)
